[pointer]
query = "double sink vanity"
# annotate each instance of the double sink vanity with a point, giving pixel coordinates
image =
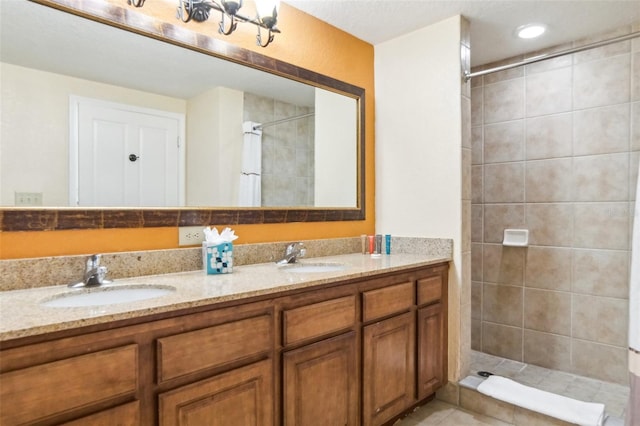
(347, 339)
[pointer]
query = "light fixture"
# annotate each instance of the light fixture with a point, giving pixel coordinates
(531, 30)
(198, 10)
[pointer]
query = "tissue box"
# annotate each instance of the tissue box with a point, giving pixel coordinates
(218, 259)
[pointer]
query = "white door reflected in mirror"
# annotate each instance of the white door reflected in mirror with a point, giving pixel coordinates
(125, 156)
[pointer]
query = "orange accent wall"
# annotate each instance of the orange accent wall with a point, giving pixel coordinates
(306, 42)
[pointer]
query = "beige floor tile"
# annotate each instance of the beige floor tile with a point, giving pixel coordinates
(460, 417)
(438, 413)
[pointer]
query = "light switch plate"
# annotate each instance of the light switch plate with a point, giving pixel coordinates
(28, 199)
(190, 235)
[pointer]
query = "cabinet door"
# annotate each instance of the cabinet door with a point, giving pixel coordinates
(243, 396)
(388, 368)
(320, 385)
(431, 354)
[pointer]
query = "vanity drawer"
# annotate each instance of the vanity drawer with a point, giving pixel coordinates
(387, 301)
(34, 393)
(319, 319)
(430, 287)
(215, 346)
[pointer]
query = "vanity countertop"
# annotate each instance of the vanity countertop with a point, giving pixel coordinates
(22, 314)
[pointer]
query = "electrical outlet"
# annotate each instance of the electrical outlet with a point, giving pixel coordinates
(190, 235)
(28, 198)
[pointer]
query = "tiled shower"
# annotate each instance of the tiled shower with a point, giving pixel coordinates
(555, 150)
(288, 172)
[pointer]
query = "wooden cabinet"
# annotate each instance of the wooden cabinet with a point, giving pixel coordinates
(362, 351)
(432, 331)
(388, 368)
(40, 392)
(320, 383)
(320, 380)
(243, 396)
(430, 350)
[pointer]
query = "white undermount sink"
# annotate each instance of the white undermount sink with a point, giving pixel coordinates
(314, 267)
(109, 295)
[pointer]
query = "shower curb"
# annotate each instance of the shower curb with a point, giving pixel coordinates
(472, 400)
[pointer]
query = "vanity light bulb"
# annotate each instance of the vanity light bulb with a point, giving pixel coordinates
(268, 12)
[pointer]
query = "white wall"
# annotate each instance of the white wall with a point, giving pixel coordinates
(34, 136)
(418, 144)
(214, 147)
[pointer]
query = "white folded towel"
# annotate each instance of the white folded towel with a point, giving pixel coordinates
(551, 404)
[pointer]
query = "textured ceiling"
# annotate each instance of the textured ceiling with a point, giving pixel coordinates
(65, 44)
(492, 22)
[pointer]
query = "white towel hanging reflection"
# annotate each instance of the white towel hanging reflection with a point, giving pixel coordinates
(250, 175)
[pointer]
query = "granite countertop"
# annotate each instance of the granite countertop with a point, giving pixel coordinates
(22, 314)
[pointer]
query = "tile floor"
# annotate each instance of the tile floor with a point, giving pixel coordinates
(442, 414)
(614, 396)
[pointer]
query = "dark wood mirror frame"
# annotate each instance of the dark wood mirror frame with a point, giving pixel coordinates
(46, 219)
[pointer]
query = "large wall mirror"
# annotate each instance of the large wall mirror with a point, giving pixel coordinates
(104, 127)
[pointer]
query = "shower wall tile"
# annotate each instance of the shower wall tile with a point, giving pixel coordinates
(600, 319)
(504, 101)
(477, 184)
(601, 225)
(477, 145)
(504, 142)
(549, 224)
(601, 177)
(466, 174)
(502, 340)
(547, 350)
(635, 84)
(504, 183)
(547, 311)
(466, 227)
(602, 82)
(588, 359)
(476, 261)
(477, 81)
(601, 272)
(477, 215)
(503, 265)
(548, 180)
(509, 74)
(476, 334)
(498, 217)
(604, 51)
(476, 300)
(549, 64)
(548, 92)
(635, 122)
(476, 104)
(548, 268)
(556, 150)
(634, 160)
(601, 130)
(549, 136)
(498, 303)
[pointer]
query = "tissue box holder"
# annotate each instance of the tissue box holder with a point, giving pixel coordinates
(218, 258)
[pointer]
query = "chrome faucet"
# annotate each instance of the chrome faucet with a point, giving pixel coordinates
(94, 274)
(292, 253)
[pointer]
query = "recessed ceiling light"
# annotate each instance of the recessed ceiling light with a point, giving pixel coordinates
(531, 30)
